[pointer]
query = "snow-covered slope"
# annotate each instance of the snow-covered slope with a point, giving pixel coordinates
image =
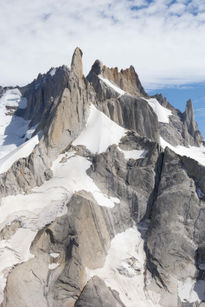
(12, 128)
(100, 132)
(22, 151)
(196, 153)
(162, 112)
(112, 85)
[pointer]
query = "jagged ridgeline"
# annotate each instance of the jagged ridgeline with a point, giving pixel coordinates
(102, 192)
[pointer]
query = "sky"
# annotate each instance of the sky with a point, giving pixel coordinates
(163, 39)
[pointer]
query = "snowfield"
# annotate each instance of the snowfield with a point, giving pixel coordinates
(100, 132)
(124, 271)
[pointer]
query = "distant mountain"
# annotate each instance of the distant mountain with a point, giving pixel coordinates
(102, 193)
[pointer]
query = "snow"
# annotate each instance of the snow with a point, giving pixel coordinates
(12, 128)
(191, 291)
(162, 112)
(196, 153)
(124, 271)
(52, 72)
(54, 255)
(100, 132)
(112, 85)
(53, 266)
(43, 206)
(134, 154)
(22, 151)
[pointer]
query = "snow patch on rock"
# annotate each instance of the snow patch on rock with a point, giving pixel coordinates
(162, 112)
(196, 153)
(112, 85)
(134, 154)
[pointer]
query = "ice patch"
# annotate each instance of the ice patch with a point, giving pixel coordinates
(162, 112)
(100, 132)
(112, 85)
(133, 154)
(196, 153)
(123, 270)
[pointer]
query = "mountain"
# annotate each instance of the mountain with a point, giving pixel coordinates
(102, 193)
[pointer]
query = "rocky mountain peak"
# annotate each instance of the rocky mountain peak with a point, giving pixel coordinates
(76, 63)
(189, 112)
(190, 126)
(99, 206)
(126, 79)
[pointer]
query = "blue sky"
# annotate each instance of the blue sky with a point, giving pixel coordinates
(163, 39)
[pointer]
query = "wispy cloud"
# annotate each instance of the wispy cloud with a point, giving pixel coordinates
(163, 39)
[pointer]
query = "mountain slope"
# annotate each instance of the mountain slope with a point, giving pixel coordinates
(98, 211)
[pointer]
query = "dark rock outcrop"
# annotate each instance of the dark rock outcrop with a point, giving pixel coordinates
(96, 293)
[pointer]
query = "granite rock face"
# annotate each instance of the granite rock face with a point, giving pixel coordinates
(128, 110)
(152, 191)
(58, 104)
(127, 79)
(177, 212)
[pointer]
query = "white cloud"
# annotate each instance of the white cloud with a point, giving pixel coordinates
(163, 40)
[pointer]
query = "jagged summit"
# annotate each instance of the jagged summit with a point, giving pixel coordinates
(127, 79)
